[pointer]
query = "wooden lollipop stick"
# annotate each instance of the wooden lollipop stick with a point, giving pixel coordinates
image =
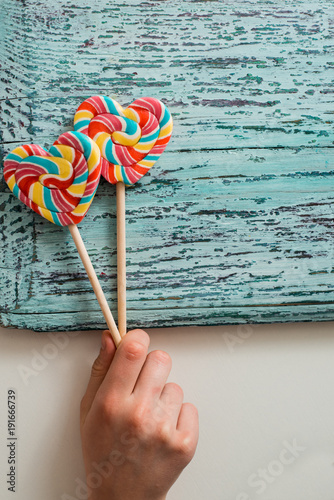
(95, 283)
(121, 257)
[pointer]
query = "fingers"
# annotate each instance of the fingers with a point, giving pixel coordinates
(127, 364)
(187, 430)
(153, 376)
(170, 403)
(99, 370)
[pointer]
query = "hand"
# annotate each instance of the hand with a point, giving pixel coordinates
(137, 434)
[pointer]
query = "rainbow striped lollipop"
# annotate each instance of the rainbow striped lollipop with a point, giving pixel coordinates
(131, 140)
(60, 185)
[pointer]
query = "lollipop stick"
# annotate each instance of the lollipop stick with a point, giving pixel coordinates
(95, 283)
(121, 257)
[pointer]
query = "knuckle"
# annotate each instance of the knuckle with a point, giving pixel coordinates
(134, 350)
(155, 391)
(164, 433)
(98, 368)
(160, 357)
(107, 408)
(106, 412)
(140, 422)
(176, 389)
(185, 447)
(139, 412)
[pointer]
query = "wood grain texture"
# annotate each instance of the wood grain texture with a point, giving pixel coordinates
(234, 223)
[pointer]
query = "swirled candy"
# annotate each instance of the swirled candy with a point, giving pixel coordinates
(131, 140)
(59, 184)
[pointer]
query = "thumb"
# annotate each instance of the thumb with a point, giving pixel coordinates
(99, 370)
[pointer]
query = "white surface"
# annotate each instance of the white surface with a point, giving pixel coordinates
(259, 390)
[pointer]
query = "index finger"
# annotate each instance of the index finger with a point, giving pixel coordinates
(128, 361)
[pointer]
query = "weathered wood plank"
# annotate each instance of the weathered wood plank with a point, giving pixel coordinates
(185, 251)
(235, 222)
(209, 127)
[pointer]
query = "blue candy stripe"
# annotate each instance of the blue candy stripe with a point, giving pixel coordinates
(151, 158)
(47, 198)
(165, 118)
(131, 127)
(82, 178)
(109, 152)
(111, 106)
(16, 190)
(150, 138)
(82, 124)
(85, 199)
(42, 161)
(124, 175)
(14, 157)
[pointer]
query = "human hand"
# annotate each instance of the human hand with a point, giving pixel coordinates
(137, 434)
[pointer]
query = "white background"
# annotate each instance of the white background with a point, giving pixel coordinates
(259, 391)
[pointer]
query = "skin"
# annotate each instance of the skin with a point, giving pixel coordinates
(137, 434)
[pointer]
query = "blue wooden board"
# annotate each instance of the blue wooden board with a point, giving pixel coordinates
(234, 223)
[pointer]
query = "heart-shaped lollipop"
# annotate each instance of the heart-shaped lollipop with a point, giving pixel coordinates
(131, 140)
(60, 185)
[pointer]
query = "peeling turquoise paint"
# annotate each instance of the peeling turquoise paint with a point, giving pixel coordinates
(234, 224)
